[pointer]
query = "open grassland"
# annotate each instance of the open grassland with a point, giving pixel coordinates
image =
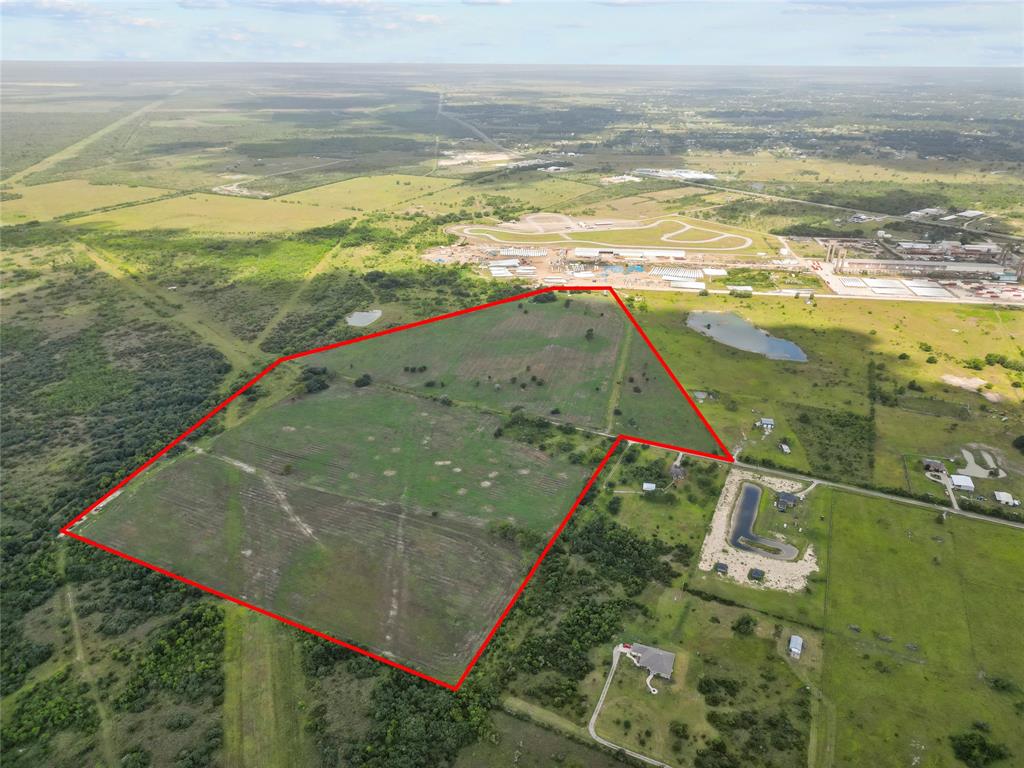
(575, 360)
(858, 357)
(356, 536)
(767, 166)
(370, 193)
(60, 198)
(263, 678)
(918, 612)
(219, 214)
(519, 743)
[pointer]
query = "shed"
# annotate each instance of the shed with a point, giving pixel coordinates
(933, 465)
(1005, 498)
(721, 568)
(796, 646)
(962, 482)
(756, 574)
(649, 487)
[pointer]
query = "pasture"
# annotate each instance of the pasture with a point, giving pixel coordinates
(363, 513)
(48, 201)
(347, 507)
(370, 193)
(919, 612)
(575, 360)
(823, 407)
(219, 214)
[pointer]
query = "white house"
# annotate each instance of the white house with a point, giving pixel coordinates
(962, 483)
(1005, 498)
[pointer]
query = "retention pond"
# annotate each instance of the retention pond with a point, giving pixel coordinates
(743, 536)
(733, 331)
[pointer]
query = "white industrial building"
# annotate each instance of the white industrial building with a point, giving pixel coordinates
(524, 253)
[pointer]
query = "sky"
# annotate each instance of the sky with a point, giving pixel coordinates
(616, 32)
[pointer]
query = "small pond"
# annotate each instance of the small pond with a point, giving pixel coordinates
(732, 330)
(743, 536)
(361, 319)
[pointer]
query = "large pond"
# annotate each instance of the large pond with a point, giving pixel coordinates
(743, 536)
(362, 319)
(732, 330)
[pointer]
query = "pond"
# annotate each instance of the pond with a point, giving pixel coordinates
(732, 330)
(743, 536)
(362, 319)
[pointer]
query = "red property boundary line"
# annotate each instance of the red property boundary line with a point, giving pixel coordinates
(725, 456)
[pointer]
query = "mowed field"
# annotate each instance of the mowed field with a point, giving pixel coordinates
(538, 357)
(919, 620)
(60, 198)
(231, 215)
(360, 512)
(659, 232)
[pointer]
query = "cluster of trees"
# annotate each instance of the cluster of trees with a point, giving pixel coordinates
(840, 444)
(59, 703)
(184, 657)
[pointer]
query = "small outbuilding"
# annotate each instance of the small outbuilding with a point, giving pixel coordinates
(934, 465)
(796, 646)
(962, 483)
(721, 568)
(756, 574)
(649, 487)
(1006, 499)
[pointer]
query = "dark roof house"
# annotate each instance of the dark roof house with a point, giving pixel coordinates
(654, 660)
(784, 500)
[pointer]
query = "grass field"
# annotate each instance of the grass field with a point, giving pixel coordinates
(393, 483)
(841, 338)
(262, 678)
(357, 537)
(933, 604)
(60, 198)
(370, 193)
(220, 214)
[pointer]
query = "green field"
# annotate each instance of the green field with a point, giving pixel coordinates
(933, 613)
(47, 201)
(358, 535)
(393, 483)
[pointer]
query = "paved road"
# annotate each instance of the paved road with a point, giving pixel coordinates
(592, 725)
(881, 495)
